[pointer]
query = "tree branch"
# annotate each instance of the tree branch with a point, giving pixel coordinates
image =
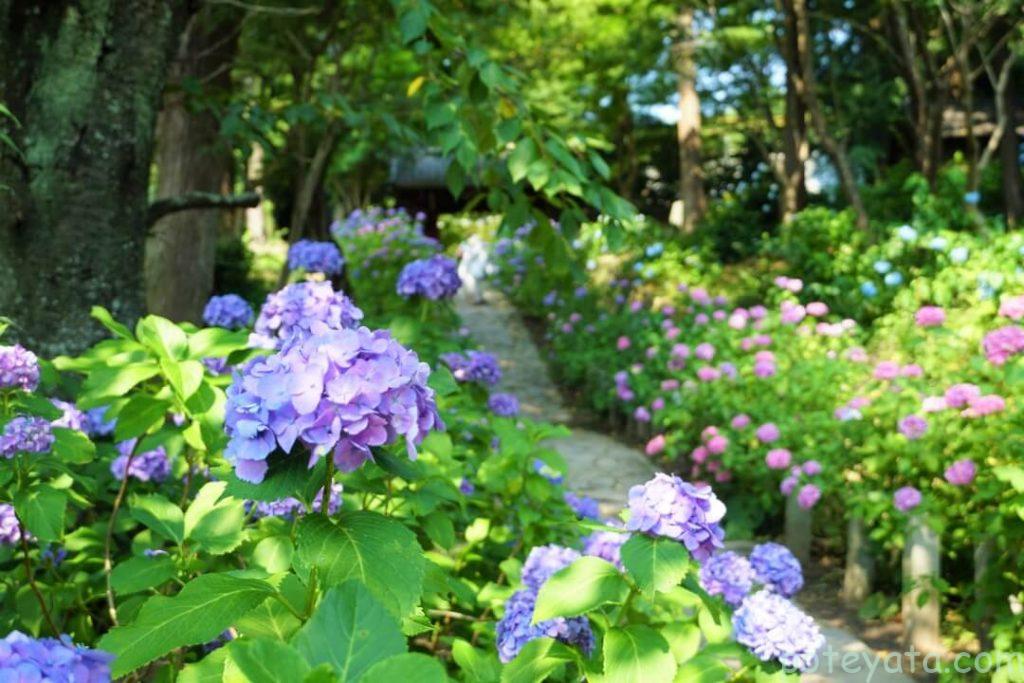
(199, 200)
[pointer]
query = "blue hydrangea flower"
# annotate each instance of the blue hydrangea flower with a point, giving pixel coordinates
(290, 508)
(959, 255)
(48, 659)
(503, 405)
(654, 250)
(516, 629)
(544, 561)
(774, 629)
(894, 278)
(728, 574)
(670, 507)
(435, 278)
(466, 487)
(607, 545)
(882, 266)
(72, 417)
(473, 366)
(300, 310)
(315, 257)
(340, 391)
(26, 435)
(19, 368)
(10, 530)
(938, 243)
(906, 233)
(148, 466)
(777, 568)
(216, 366)
(548, 472)
(972, 198)
(97, 424)
(229, 311)
(868, 289)
(585, 507)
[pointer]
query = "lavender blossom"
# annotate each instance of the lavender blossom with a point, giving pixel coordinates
(229, 311)
(545, 561)
(473, 366)
(668, 506)
(516, 628)
(290, 508)
(315, 257)
(777, 568)
(434, 278)
(26, 435)
(728, 574)
(146, 466)
(19, 368)
(48, 659)
(302, 310)
(773, 628)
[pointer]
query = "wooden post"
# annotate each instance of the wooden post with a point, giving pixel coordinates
(982, 563)
(798, 529)
(860, 565)
(921, 552)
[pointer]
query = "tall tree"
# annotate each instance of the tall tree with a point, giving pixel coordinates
(84, 79)
(691, 172)
(191, 157)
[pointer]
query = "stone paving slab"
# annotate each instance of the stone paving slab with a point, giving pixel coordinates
(605, 469)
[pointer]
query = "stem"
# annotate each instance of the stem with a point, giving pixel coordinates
(295, 612)
(325, 495)
(108, 566)
(30, 577)
(625, 606)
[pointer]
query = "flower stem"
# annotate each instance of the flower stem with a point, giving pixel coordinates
(30, 577)
(108, 565)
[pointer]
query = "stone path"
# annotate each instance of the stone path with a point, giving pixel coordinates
(604, 468)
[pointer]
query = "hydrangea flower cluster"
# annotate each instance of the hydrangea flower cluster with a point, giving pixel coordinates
(97, 424)
(10, 530)
(773, 628)
(1000, 345)
(516, 628)
(315, 257)
(300, 310)
(544, 561)
(151, 465)
(930, 316)
(668, 506)
(72, 417)
(503, 405)
(906, 498)
(585, 507)
(229, 311)
(607, 545)
(290, 508)
(913, 427)
(777, 568)
(961, 472)
(19, 368)
(728, 574)
(26, 435)
(340, 391)
(473, 366)
(49, 659)
(434, 278)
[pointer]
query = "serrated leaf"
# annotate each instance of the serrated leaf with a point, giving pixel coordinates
(160, 515)
(72, 446)
(478, 666)
(266, 661)
(637, 654)
(41, 509)
(409, 666)
(586, 584)
(140, 415)
(536, 661)
(215, 522)
(656, 564)
(118, 381)
(163, 337)
(141, 573)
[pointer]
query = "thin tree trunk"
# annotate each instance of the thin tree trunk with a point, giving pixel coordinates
(691, 174)
(84, 78)
(190, 156)
(1009, 146)
(795, 148)
(309, 182)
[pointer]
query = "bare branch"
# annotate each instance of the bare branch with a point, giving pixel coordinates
(264, 9)
(199, 200)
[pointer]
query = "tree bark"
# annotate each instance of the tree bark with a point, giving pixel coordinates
(1009, 145)
(309, 182)
(190, 157)
(691, 174)
(795, 148)
(84, 78)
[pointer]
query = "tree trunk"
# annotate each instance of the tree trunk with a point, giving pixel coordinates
(190, 156)
(795, 149)
(84, 78)
(1013, 183)
(691, 174)
(309, 182)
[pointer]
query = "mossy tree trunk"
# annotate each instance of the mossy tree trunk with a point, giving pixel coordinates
(84, 78)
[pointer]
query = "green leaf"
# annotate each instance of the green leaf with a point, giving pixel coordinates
(163, 337)
(270, 619)
(210, 669)
(191, 373)
(1012, 475)
(141, 573)
(72, 446)
(202, 610)
(478, 666)
(637, 654)
(41, 509)
(413, 22)
(351, 631)
(274, 554)
(536, 661)
(213, 521)
(216, 342)
(683, 639)
(118, 381)
(161, 515)
(266, 661)
(586, 584)
(103, 316)
(409, 666)
(520, 159)
(140, 415)
(657, 564)
(287, 477)
(703, 669)
(377, 550)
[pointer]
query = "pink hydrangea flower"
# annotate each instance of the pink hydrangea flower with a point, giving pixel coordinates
(906, 498)
(792, 313)
(704, 351)
(788, 484)
(961, 472)
(911, 370)
(999, 345)
(933, 404)
(1012, 307)
(930, 316)
(981, 406)
(708, 374)
(809, 496)
(767, 433)
(680, 351)
(669, 384)
(623, 343)
(741, 421)
(817, 309)
(717, 444)
(764, 369)
(701, 319)
(887, 370)
(959, 395)
(718, 315)
(778, 458)
(699, 454)
(641, 414)
(913, 427)
(655, 445)
(658, 404)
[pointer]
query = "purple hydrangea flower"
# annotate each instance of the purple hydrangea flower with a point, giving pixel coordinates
(516, 628)
(808, 496)
(73, 418)
(290, 508)
(585, 507)
(216, 366)
(913, 426)
(315, 257)
(503, 405)
(19, 368)
(906, 498)
(961, 472)
(229, 311)
(466, 487)
(773, 628)
(301, 310)
(49, 659)
(550, 473)
(54, 554)
(341, 391)
(668, 506)
(544, 561)
(728, 574)
(473, 366)
(96, 423)
(435, 278)
(147, 466)
(10, 530)
(26, 435)
(607, 545)
(777, 568)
